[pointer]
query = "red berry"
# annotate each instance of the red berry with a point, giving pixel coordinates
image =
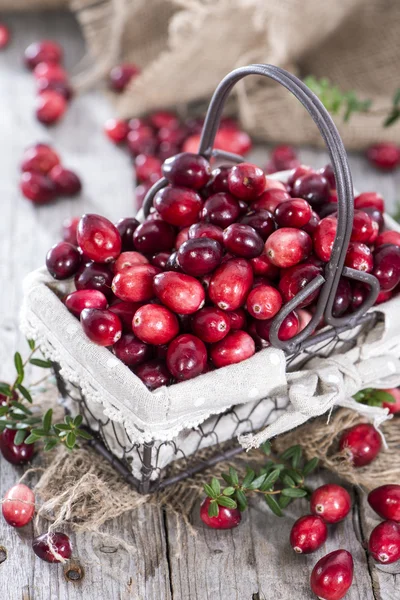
(181, 293)
(270, 200)
(63, 260)
(129, 259)
(220, 209)
(324, 237)
(44, 51)
(359, 294)
(343, 298)
(205, 230)
(147, 167)
(230, 140)
(199, 256)
(219, 180)
(154, 374)
(385, 156)
(154, 236)
(329, 174)
(141, 140)
(262, 221)
(289, 328)
(16, 455)
(237, 318)
(37, 187)
(186, 357)
(67, 183)
(102, 327)
(388, 237)
(243, 240)
(52, 547)
(295, 279)
(173, 137)
(384, 542)
(233, 348)
(332, 576)
(283, 157)
(246, 181)
(178, 206)
(116, 130)
(308, 534)
(362, 444)
(155, 324)
(121, 75)
(359, 257)
(50, 71)
(40, 158)
(263, 302)
(313, 187)
(187, 170)
(261, 265)
(172, 263)
(19, 505)
(288, 246)
(211, 324)
(230, 284)
(132, 351)
(312, 224)
(81, 299)
(385, 501)
(126, 227)
(394, 407)
(98, 238)
(125, 311)
(367, 199)
(227, 518)
(62, 87)
(164, 118)
(4, 36)
(331, 502)
(293, 213)
(362, 227)
(160, 260)
(387, 266)
(94, 276)
(135, 284)
(297, 173)
(50, 107)
(68, 231)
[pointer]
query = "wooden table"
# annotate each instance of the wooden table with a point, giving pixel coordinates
(159, 559)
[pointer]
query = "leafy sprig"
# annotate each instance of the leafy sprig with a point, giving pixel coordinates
(373, 397)
(279, 481)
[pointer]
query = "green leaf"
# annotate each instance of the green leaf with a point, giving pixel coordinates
(19, 365)
(295, 475)
(228, 491)
(209, 491)
(20, 407)
(50, 444)
(284, 501)
(241, 500)
(19, 437)
(294, 493)
(19, 380)
(310, 466)
(270, 480)
(26, 394)
(257, 482)
(62, 427)
(226, 478)
(290, 452)
(216, 486)
(273, 505)
(78, 420)
(396, 97)
(31, 344)
(5, 389)
(40, 432)
(384, 397)
(234, 476)
(213, 509)
(47, 419)
(68, 420)
(248, 478)
(32, 438)
(83, 434)
(4, 410)
(296, 457)
(70, 440)
(287, 480)
(38, 362)
(225, 501)
(266, 447)
(392, 117)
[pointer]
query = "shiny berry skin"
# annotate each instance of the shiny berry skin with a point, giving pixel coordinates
(227, 518)
(178, 206)
(135, 284)
(362, 444)
(230, 140)
(172, 136)
(388, 237)
(102, 327)
(359, 257)
(128, 259)
(211, 324)
(94, 276)
(283, 157)
(262, 221)
(181, 293)
(186, 357)
(61, 87)
(329, 174)
(313, 187)
(16, 455)
(343, 298)
(125, 311)
(205, 230)
(332, 576)
(385, 156)
(220, 209)
(67, 182)
(369, 199)
(324, 237)
(293, 213)
(312, 224)
(126, 228)
(4, 36)
(289, 328)
(331, 502)
(362, 227)
(246, 181)
(98, 238)
(270, 200)
(147, 167)
(377, 222)
(288, 246)
(37, 187)
(18, 505)
(141, 141)
(297, 173)
(233, 348)
(384, 542)
(52, 72)
(154, 236)
(160, 260)
(263, 302)
(182, 237)
(155, 324)
(242, 240)
(219, 180)
(359, 293)
(261, 265)
(387, 266)
(121, 75)
(63, 260)
(383, 297)
(199, 256)
(187, 170)
(44, 51)
(116, 130)
(77, 301)
(132, 351)
(385, 501)
(50, 107)
(230, 284)
(52, 547)
(237, 318)
(394, 407)
(154, 374)
(40, 158)
(164, 118)
(308, 534)
(172, 263)
(295, 279)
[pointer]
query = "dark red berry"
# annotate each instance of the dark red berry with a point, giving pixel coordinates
(384, 542)
(362, 227)
(187, 170)
(219, 180)
(293, 213)
(246, 181)
(388, 237)
(313, 187)
(132, 351)
(98, 238)
(385, 156)
(324, 237)
(359, 293)
(288, 246)
(343, 298)
(141, 140)
(40, 158)
(37, 187)
(263, 302)
(45, 51)
(289, 328)
(262, 221)
(154, 236)
(312, 224)
(211, 324)
(331, 502)
(308, 534)
(298, 172)
(205, 230)
(295, 279)
(116, 130)
(329, 174)
(126, 227)
(332, 576)
(121, 75)
(237, 318)
(16, 455)
(155, 324)
(164, 118)
(135, 284)
(233, 348)
(147, 167)
(52, 547)
(63, 260)
(243, 240)
(387, 266)
(102, 327)
(18, 505)
(199, 256)
(227, 518)
(178, 206)
(77, 301)
(94, 276)
(230, 284)
(125, 311)
(154, 374)
(369, 199)
(361, 443)
(68, 231)
(61, 87)
(186, 357)
(50, 71)
(221, 209)
(359, 257)
(270, 200)
(181, 293)
(385, 500)
(261, 265)
(67, 183)
(284, 157)
(128, 259)
(50, 107)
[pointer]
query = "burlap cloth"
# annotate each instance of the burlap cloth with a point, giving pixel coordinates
(185, 47)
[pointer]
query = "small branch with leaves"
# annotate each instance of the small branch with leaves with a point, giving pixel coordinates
(279, 481)
(373, 397)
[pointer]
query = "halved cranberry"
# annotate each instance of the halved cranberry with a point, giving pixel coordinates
(199, 256)
(237, 318)
(227, 518)
(178, 206)
(246, 181)
(329, 174)
(243, 240)
(155, 324)
(51, 71)
(211, 324)
(116, 130)
(384, 542)
(44, 51)
(288, 246)
(205, 230)
(153, 373)
(164, 118)
(261, 265)
(186, 357)
(219, 180)
(385, 501)
(50, 107)
(141, 140)
(369, 199)
(102, 327)
(98, 238)
(233, 348)
(313, 187)
(132, 351)
(128, 259)
(187, 170)
(293, 213)
(52, 547)
(388, 237)
(230, 284)
(343, 298)
(125, 311)
(308, 534)
(126, 227)
(40, 157)
(121, 75)
(77, 301)
(289, 328)
(362, 444)
(135, 284)
(262, 221)
(263, 302)
(94, 276)
(362, 227)
(182, 293)
(332, 576)
(359, 257)
(269, 200)
(220, 209)
(66, 181)
(154, 236)
(331, 502)
(295, 279)
(63, 260)
(37, 187)
(18, 505)
(324, 237)
(385, 155)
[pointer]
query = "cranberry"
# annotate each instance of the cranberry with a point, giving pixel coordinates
(126, 227)
(359, 294)
(369, 199)
(132, 351)
(129, 259)
(288, 246)
(160, 260)
(263, 302)
(324, 237)
(205, 230)
(329, 174)
(121, 75)
(164, 118)
(51, 71)
(387, 266)
(61, 87)
(77, 301)
(313, 187)
(173, 136)
(50, 107)
(147, 167)
(4, 36)
(233, 348)
(181, 293)
(295, 279)
(63, 260)
(116, 130)
(154, 374)
(262, 221)
(394, 407)
(332, 576)
(211, 324)
(102, 327)
(44, 51)
(186, 357)
(37, 188)
(16, 455)
(93, 276)
(69, 230)
(220, 209)
(269, 200)
(135, 284)
(98, 238)
(362, 444)
(383, 297)
(308, 534)
(141, 141)
(385, 501)
(282, 156)
(331, 502)
(328, 209)
(377, 222)
(343, 298)
(219, 180)
(362, 227)
(182, 237)
(67, 183)
(233, 140)
(288, 329)
(199, 256)
(172, 263)
(293, 213)
(177, 205)
(125, 311)
(155, 324)
(388, 237)
(359, 257)
(237, 318)
(187, 170)
(384, 542)
(261, 265)
(312, 224)
(230, 284)
(227, 518)
(246, 181)
(297, 173)
(385, 156)
(19, 505)
(52, 547)
(40, 158)
(243, 240)
(271, 184)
